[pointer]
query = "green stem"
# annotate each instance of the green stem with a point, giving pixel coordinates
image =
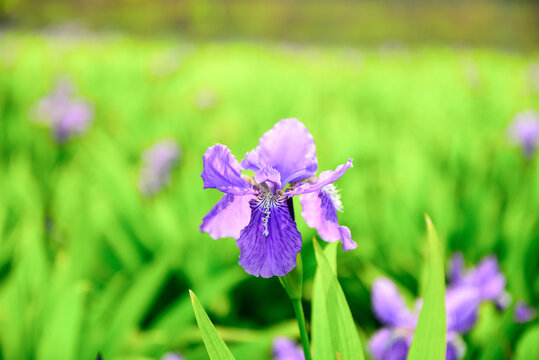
(300, 316)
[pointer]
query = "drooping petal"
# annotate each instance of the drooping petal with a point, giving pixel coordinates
(455, 348)
(398, 349)
(319, 209)
(286, 349)
(289, 148)
(389, 306)
(325, 178)
(270, 243)
(222, 171)
(379, 343)
(228, 217)
(523, 312)
(503, 301)
(462, 304)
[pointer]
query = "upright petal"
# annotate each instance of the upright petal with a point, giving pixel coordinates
(325, 178)
(462, 303)
(456, 267)
(222, 171)
(286, 349)
(267, 173)
(270, 243)
(228, 217)
(389, 306)
(289, 148)
(488, 278)
(319, 209)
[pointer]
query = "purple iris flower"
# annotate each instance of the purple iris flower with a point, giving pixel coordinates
(284, 348)
(172, 356)
(486, 277)
(158, 162)
(258, 212)
(524, 312)
(393, 341)
(66, 115)
(524, 130)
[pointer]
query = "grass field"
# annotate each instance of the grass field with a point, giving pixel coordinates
(88, 264)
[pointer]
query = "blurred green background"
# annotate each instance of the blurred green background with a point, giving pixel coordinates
(419, 94)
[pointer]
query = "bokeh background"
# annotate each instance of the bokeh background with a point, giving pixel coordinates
(419, 93)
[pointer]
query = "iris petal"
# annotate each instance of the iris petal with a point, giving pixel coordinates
(319, 209)
(379, 343)
(389, 305)
(462, 304)
(222, 171)
(398, 350)
(325, 178)
(228, 217)
(270, 243)
(268, 173)
(286, 349)
(289, 148)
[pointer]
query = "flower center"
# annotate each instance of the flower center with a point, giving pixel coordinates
(268, 201)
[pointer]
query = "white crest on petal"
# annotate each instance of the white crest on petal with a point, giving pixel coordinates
(334, 195)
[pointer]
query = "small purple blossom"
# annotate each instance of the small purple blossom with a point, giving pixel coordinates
(486, 277)
(158, 162)
(66, 115)
(524, 312)
(284, 348)
(172, 356)
(393, 341)
(524, 131)
(258, 212)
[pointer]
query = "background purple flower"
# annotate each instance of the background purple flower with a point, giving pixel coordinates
(524, 130)
(66, 115)
(158, 161)
(286, 349)
(257, 211)
(486, 278)
(523, 312)
(393, 341)
(172, 356)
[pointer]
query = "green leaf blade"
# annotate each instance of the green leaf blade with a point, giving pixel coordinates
(216, 347)
(334, 330)
(527, 346)
(429, 340)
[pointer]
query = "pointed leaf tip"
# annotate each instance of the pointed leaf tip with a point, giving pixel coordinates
(215, 346)
(429, 341)
(428, 221)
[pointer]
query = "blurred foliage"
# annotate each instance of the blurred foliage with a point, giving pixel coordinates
(513, 24)
(87, 264)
